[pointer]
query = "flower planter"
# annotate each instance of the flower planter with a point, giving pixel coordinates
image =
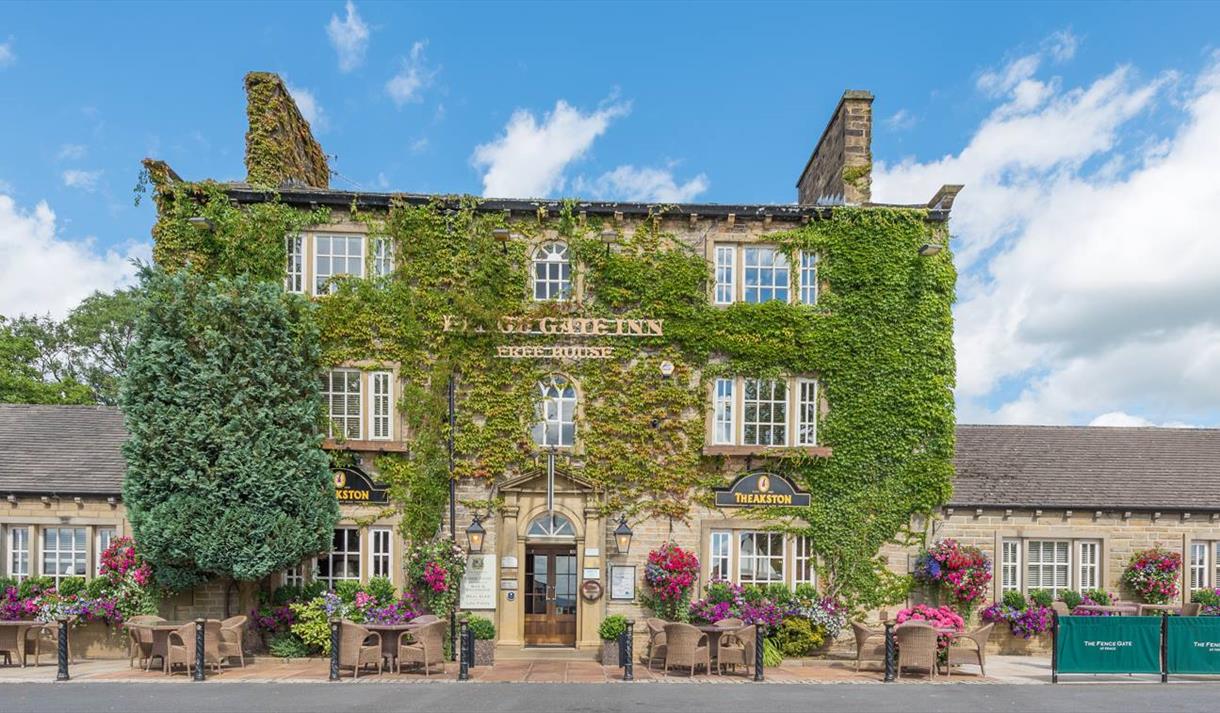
(609, 653)
(484, 652)
(1005, 643)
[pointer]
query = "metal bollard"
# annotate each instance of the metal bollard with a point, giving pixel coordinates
(199, 675)
(890, 650)
(629, 655)
(464, 660)
(1054, 647)
(758, 651)
(62, 651)
(1164, 647)
(334, 649)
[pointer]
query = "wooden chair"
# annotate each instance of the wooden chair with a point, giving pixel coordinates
(139, 640)
(1191, 609)
(656, 640)
(736, 648)
(973, 649)
(232, 633)
(181, 647)
(916, 647)
(426, 648)
(686, 647)
(866, 651)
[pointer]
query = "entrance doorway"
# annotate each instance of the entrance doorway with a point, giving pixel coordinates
(550, 595)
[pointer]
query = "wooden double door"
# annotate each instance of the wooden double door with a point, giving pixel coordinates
(551, 582)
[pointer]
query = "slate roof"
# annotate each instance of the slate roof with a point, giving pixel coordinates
(1083, 468)
(61, 450)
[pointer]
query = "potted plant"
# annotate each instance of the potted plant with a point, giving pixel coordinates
(670, 576)
(1021, 624)
(1153, 574)
(484, 640)
(609, 631)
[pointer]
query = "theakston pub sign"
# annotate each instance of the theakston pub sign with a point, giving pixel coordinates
(353, 485)
(761, 490)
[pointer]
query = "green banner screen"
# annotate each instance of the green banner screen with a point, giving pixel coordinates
(1194, 644)
(1109, 644)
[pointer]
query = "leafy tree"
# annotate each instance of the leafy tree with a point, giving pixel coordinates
(22, 368)
(97, 334)
(226, 476)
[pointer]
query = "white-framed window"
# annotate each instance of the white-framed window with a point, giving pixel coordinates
(294, 576)
(808, 278)
(381, 386)
(1198, 565)
(1216, 563)
(380, 555)
(335, 255)
(383, 257)
(1010, 566)
(806, 412)
(556, 413)
(18, 559)
(765, 412)
(722, 426)
(294, 248)
(552, 525)
(765, 269)
(1048, 565)
(726, 270)
(102, 537)
(718, 556)
(804, 560)
(343, 560)
(760, 557)
(1088, 567)
(64, 551)
(552, 273)
(342, 394)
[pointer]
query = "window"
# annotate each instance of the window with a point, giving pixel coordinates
(1216, 563)
(723, 429)
(760, 558)
(718, 557)
(766, 274)
(336, 255)
(765, 418)
(103, 536)
(556, 413)
(806, 412)
(809, 278)
(552, 273)
(294, 576)
(726, 284)
(294, 280)
(552, 525)
(1049, 562)
(803, 561)
(383, 257)
(383, 394)
(1198, 565)
(341, 393)
(381, 558)
(343, 561)
(63, 552)
(1010, 566)
(1087, 577)
(18, 552)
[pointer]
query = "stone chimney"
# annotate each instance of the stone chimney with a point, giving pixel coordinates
(840, 169)
(280, 149)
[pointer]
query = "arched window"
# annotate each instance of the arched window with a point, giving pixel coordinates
(552, 525)
(556, 412)
(552, 273)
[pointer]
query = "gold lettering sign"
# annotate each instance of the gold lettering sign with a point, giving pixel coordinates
(554, 352)
(761, 490)
(353, 485)
(565, 326)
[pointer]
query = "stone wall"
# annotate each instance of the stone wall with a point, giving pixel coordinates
(841, 164)
(279, 144)
(36, 512)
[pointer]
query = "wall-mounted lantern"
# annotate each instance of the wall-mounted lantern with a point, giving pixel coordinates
(622, 536)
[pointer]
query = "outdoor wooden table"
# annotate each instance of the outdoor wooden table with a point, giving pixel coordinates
(390, 634)
(1119, 609)
(160, 644)
(19, 629)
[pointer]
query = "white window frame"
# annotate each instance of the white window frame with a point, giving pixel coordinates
(803, 558)
(772, 287)
(725, 291)
(805, 430)
(731, 410)
(294, 576)
(294, 277)
(78, 557)
(1216, 563)
(753, 558)
(556, 285)
(1053, 566)
(1010, 566)
(807, 282)
(11, 551)
(553, 400)
(765, 400)
(348, 415)
(724, 430)
(382, 253)
(381, 552)
(100, 543)
(344, 555)
(720, 554)
(1197, 566)
(1088, 565)
(353, 264)
(381, 405)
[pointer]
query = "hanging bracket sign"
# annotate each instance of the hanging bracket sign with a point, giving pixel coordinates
(761, 490)
(353, 485)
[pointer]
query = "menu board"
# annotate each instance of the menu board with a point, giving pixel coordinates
(622, 582)
(479, 583)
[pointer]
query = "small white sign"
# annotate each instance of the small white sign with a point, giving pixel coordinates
(622, 582)
(508, 584)
(478, 583)
(508, 562)
(592, 573)
(592, 552)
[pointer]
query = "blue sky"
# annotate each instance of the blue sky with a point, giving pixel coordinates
(708, 102)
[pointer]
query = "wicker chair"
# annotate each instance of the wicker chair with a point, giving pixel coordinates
(916, 647)
(736, 648)
(47, 633)
(1061, 608)
(9, 643)
(731, 621)
(139, 640)
(687, 647)
(232, 632)
(181, 646)
(358, 647)
(1191, 609)
(866, 651)
(427, 647)
(656, 640)
(973, 650)
(425, 619)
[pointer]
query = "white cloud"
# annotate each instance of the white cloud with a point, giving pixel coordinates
(72, 152)
(45, 272)
(419, 145)
(646, 185)
(413, 77)
(901, 120)
(310, 108)
(85, 180)
(1124, 419)
(1090, 268)
(350, 38)
(7, 56)
(529, 159)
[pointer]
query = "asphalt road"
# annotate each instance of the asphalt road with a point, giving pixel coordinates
(644, 697)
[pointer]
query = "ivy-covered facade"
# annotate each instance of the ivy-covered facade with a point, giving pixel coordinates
(606, 362)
